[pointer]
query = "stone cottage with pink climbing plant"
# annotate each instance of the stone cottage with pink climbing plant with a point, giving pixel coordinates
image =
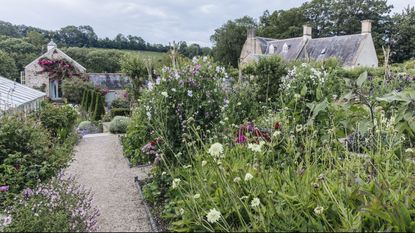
(47, 71)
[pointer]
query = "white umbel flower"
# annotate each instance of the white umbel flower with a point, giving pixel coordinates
(248, 176)
(319, 210)
(213, 216)
(165, 94)
(175, 183)
(237, 179)
(255, 202)
(216, 149)
(409, 150)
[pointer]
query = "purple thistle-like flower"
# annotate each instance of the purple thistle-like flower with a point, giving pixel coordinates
(4, 188)
(27, 192)
(7, 220)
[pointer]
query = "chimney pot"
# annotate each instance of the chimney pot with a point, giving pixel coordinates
(307, 30)
(366, 26)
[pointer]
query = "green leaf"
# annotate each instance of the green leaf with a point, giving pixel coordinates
(362, 78)
(304, 90)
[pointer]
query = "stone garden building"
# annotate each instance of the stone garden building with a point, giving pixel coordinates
(350, 50)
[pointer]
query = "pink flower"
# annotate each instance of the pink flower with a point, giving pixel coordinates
(241, 139)
(4, 188)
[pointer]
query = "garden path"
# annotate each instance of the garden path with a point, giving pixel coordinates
(100, 166)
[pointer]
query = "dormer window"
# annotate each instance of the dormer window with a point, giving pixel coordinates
(271, 49)
(285, 48)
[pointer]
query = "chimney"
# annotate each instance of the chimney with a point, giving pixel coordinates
(51, 45)
(251, 32)
(307, 32)
(366, 26)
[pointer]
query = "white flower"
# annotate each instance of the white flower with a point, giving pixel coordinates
(276, 133)
(205, 59)
(239, 103)
(409, 150)
(318, 210)
(297, 96)
(248, 176)
(189, 93)
(181, 211)
(216, 149)
(255, 147)
(173, 89)
(196, 196)
(219, 162)
(298, 128)
(187, 166)
(255, 202)
(194, 60)
(163, 173)
(148, 115)
(176, 183)
(204, 162)
(213, 216)
(270, 192)
(165, 94)
(237, 179)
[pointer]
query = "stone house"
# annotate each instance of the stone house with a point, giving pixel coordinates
(114, 83)
(34, 77)
(350, 50)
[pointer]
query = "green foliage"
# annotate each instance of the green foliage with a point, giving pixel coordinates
(404, 35)
(59, 120)
(269, 72)
(7, 66)
(120, 103)
(135, 67)
(119, 124)
(92, 99)
(73, 89)
(229, 39)
(99, 109)
(120, 112)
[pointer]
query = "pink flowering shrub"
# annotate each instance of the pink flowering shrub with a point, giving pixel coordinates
(58, 69)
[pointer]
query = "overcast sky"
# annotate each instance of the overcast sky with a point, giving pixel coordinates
(156, 21)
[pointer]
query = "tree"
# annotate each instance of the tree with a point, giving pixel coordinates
(100, 61)
(282, 24)
(229, 39)
(403, 43)
(135, 67)
(7, 66)
(37, 39)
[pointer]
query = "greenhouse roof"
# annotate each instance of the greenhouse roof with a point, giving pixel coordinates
(13, 94)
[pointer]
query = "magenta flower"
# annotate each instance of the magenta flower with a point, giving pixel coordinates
(241, 139)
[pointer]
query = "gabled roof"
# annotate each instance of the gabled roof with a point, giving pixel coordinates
(13, 94)
(112, 81)
(49, 54)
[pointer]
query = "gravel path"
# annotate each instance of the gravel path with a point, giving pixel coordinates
(100, 166)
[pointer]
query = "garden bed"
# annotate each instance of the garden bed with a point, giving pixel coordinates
(158, 224)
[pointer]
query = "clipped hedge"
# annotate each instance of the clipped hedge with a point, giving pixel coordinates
(120, 112)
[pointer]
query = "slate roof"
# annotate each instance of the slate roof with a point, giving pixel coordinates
(112, 81)
(13, 94)
(344, 48)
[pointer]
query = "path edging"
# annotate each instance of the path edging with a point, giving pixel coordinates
(150, 218)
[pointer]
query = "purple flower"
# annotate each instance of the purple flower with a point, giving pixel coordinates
(27, 192)
(241, 139)
(7, 220)
(4, 188)
(250, 127)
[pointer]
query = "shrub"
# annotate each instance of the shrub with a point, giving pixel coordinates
(87, 127)
(119, 124)
(59, 205)
(174, 106)
(120, 103)
(120, 112)
(99, 109)
(73, 89)
(268, 73)
(58, 119)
